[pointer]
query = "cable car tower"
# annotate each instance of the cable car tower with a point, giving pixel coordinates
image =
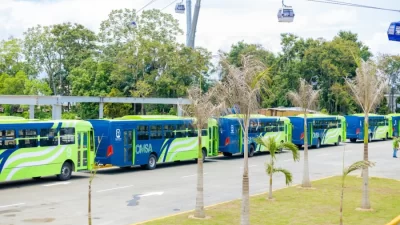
(285, 14)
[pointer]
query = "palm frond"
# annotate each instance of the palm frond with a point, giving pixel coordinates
(287, 173)
(269, 143)
(357, 166)
(293, 148)
(305, 97)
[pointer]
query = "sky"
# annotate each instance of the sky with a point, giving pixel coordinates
(221, 22)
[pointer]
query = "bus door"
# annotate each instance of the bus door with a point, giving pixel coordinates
(83, 146)
(310, 131)
(128, 146)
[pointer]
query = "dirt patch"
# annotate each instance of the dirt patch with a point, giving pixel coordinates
(40, 220)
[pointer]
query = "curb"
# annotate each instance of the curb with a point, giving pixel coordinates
(217, 204)
(395, 221)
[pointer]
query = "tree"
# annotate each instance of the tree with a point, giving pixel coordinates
(240, 90)
(272, 146)
(367, 88)
(203, 106)
(57, 50)
(305, 98)
(346, 171)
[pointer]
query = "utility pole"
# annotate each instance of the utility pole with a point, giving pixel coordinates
(194, 23)
(188, 21)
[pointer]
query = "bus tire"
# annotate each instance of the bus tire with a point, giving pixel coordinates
(280, 150)
(66, 172)
(152, 162)
(354, 140)
(318, 145)
(339, 140)
(251, 150)
(387, 137)
(204, 154)
(369, 138)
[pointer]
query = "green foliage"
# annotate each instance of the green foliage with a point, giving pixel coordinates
(383, 107)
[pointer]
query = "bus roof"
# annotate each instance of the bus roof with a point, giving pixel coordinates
(320, 116)
(362, 114)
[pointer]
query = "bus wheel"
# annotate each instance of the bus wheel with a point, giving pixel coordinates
(353, 140)
(318, 143)
(338, 141)
(152, 163)
(66, 172)
(369, 138)
(204, 153)
(251, 152)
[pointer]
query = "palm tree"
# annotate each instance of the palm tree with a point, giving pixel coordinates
(203, 106)
(240, 89)
(305, 98)
(353, 167)
(272, 146)
(93, 173)
(368, 88)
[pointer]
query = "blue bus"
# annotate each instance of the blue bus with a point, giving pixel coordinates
(148, 140)
(394, 124)
(231, 134)
(378, 127)
(322, 129)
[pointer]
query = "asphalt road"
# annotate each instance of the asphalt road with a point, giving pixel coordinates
(123, 197)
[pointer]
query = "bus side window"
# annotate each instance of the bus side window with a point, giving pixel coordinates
(91, 140)
(9, 136)
(143, 132)
(48, 137)
(85, 140)
(181, 131)
(155, 132)
(192, 131)
(29, 138)
(169, 131)
(67, 136)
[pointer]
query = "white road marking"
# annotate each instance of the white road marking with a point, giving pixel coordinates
(152, 193)
(111, 189)
(5, 206)
(192, 175)
(58, 183)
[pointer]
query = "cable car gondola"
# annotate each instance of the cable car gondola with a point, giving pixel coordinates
(285, 14)
(180, 8)
(133, 24)
(394, 31)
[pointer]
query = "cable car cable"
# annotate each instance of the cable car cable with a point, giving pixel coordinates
(169, 5)
(333, 2)
(149, 3)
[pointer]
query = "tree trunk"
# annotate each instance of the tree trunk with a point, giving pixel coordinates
(270, 179)
(245, 215)
(199, 211)
(365, 203)
(306, 175)
(90, 204)
(341, 203)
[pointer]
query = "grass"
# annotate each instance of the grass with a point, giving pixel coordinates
(297, 206)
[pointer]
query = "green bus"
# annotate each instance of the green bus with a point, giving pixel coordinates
(38, 148)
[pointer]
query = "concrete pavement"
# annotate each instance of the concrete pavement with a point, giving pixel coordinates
(123, 197)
